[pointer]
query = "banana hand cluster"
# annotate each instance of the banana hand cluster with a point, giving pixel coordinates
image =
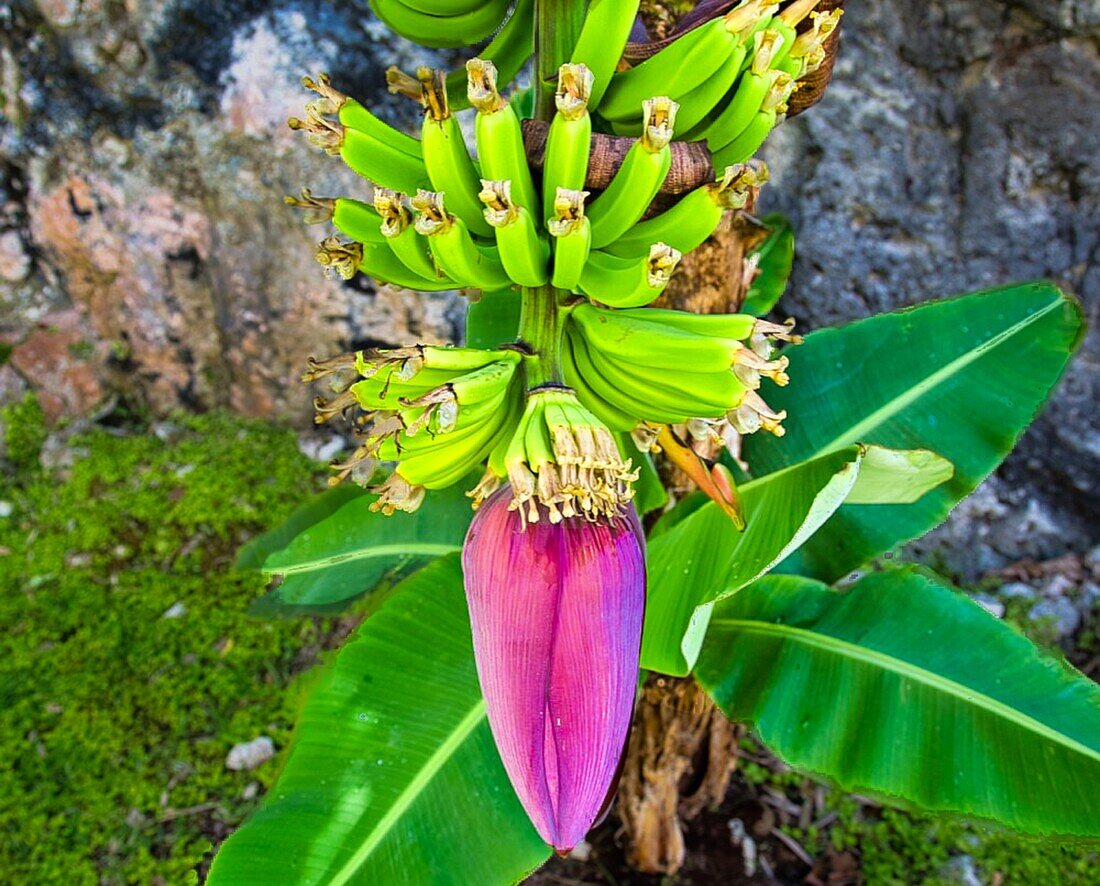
(653, 366)
(731, 76)
(437, 412)
(441, 220)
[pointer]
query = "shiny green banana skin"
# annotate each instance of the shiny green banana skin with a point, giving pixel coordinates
(412, 249)
(452, 171)
(618, 282)
(357, 220)
(603, 37)
(446, 458)
(382, 163)
(628, 196)
(664, 397)
(643, 408)
(568, 144)
(380, 263)
(354, 116)
(441, 31)
(737, 327)
(614, 418)
(524, 255)
(503, 157)
(684, 226)
(675, 71)
(571, 253)
(749, 141)
(464, 260)
(651, 344)
(750, 95)
(509, 50)
(701, 101)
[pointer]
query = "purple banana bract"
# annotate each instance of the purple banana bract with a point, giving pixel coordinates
(557, 611)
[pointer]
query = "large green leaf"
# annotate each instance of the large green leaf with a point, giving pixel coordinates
(335, 548)
(962, 377)
(702, 558)
(393, 776)
(905, 688)
(774, 258)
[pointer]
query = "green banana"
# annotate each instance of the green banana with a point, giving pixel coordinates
(751, 92)
(572, 233)
(469, 22)
(353, 115)
(664, 394)
(700, 102)
(639, 409)
(603, 37)
(684, 65)
(450, 167)
(509, 50)
(610, 415)
(454, 248)
(401, 235)
(771, 113)
(353, 218)
(628, 282)
(687, 224)
(463, 399)
(569, 138)
(499, 136)
(640, 176)
(654, 345)
(523, 253)
(739, 327)
(366, 154)
(808, 51)
(375, 260)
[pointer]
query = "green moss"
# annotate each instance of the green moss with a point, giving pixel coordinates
(114, 719)
(24, 432)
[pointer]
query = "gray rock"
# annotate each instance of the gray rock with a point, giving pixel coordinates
(1060, 612)
(248, 755)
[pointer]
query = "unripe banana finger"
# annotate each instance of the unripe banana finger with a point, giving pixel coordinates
(627, 283)
(453, 247)
(639, 178)
(614, 418)
(572, 235)
(569, 139)
(623, 402)
(523, 253)
(500, 146)
(604, 34)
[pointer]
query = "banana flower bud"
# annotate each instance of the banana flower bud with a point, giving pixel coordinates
(556, 610)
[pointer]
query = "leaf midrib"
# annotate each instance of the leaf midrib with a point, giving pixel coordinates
(408, 796)
(880, 416)
(431, 549)
(908, 669)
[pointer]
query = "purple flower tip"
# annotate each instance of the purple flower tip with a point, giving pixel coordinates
(556, 610)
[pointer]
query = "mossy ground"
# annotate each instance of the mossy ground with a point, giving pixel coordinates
(115, 720)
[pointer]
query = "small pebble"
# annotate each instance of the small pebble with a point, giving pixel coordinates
(250, 754)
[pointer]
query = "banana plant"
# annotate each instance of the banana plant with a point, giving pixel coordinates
(476, 720)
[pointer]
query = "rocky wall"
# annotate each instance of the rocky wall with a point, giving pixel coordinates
(145, 252)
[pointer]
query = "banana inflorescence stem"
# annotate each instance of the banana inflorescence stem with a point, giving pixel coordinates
(541, 325)
(557, 28)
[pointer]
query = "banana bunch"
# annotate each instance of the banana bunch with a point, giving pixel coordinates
(437, 412)
(442, 221)
(731, 76)
(659, 367)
